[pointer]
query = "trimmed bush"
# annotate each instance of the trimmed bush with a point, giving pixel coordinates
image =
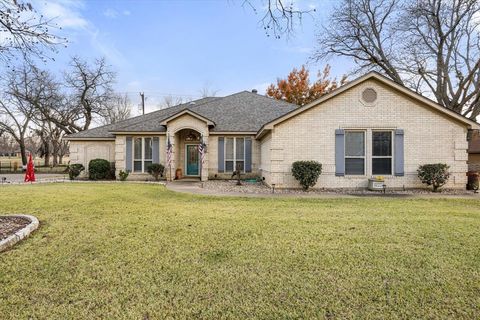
(434, 174)
(74, 170)
(156, 170)
(99, 169)
(306, 172)
(123, 175)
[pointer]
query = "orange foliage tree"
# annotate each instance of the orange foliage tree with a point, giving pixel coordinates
(297, 88)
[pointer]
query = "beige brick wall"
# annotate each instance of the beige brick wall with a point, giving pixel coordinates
(84, 151)
(265, 159)
(430, 137)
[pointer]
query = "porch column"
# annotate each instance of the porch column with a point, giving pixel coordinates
(170, 170)
(204, 171)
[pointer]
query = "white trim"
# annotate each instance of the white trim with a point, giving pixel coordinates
(142, 160)
(185, 162)
(234, 153)
(138, 133)
(88, 139)
(392, 150)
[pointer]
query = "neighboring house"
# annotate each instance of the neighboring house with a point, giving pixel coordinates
(368, 127)
(474, 151)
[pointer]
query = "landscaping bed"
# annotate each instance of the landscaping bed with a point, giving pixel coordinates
(11, 224)
(230, 186)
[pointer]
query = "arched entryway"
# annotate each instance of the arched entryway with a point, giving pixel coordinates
(188, 156)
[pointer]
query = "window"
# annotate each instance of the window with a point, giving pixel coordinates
(355, 152)
(142, 154)
(234, 154)
(382, 152)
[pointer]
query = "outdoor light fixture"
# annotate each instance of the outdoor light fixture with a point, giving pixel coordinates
(273, 187)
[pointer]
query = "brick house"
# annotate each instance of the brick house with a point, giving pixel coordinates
(369, 127)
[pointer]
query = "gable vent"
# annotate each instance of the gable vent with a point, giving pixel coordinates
(369, 95)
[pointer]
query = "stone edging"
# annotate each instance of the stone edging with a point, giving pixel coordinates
(20, 234)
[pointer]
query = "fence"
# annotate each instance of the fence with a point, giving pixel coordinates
(15, 166)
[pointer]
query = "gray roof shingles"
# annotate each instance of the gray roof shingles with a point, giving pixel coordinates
(240, 112)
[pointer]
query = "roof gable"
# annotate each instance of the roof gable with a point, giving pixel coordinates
(187, 112)
(385, 81)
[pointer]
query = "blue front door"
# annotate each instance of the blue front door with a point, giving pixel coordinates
(192, 160)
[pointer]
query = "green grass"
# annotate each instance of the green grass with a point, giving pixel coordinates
(132, 251)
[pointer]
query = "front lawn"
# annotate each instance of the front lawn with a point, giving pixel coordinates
(133, 251)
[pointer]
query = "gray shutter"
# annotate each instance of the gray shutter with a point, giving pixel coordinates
(248, 155)
(128, 154)
(339, 152)
(156, 150)
(221, 151)
(399, 153)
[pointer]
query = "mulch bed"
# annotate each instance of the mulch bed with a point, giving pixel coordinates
(10, 225)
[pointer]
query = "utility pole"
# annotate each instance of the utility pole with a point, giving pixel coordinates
(142, 96)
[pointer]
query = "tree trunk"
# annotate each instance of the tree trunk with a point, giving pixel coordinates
(46, 152)
(23, 152)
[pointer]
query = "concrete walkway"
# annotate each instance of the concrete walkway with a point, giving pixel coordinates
(195, 187)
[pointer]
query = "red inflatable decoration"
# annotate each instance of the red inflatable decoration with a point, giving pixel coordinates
(30, 174)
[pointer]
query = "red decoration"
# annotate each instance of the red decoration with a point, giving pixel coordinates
(30, 174)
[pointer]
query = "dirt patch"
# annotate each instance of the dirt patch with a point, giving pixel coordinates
(10, 225)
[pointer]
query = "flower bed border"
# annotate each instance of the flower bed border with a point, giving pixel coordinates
(21, 234)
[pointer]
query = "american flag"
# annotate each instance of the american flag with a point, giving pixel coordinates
(202, 149)
(169, 152)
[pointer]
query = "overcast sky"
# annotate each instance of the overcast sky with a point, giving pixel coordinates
(179, 47)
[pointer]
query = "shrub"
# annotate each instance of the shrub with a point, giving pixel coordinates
(74, 170)
(99, 169)
(123, 175)
(306, 172)
(435, 174)
(156, 170)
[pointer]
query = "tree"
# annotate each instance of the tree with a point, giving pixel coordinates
(89, 93)
(119, 107)
(297, 89)
(279, 17)
(16, 114)
(170, 101)
(431, 46)
(24, 31)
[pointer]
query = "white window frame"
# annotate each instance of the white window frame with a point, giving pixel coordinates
(384, 157)
(364, 157)
(143, 159)
(234, 153)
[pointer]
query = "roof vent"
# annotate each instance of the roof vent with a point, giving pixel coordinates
(369, 97)
(254, 91)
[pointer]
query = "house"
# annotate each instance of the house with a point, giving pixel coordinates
(368, 127)
(474, 151)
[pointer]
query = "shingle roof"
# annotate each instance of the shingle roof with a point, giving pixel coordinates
(240, 112)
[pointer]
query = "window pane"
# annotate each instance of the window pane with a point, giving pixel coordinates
(354, 144)
(137, 166)
(239, 166)
(146, 164)
(354, 166)
(229, 149)
(148, 148)
(382, 166)
(229, 166)
(240, 148)
(137, 148)
(382, 143)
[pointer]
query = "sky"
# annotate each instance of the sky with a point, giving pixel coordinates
(179, 47)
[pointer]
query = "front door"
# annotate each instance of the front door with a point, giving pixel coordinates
(192, 163)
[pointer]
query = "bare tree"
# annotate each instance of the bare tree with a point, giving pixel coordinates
(119, 107)
(25, 31)
(171, 101)
(278, 17)
(432, 46)
(16, 113)
(207, 91)
(88, 93)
